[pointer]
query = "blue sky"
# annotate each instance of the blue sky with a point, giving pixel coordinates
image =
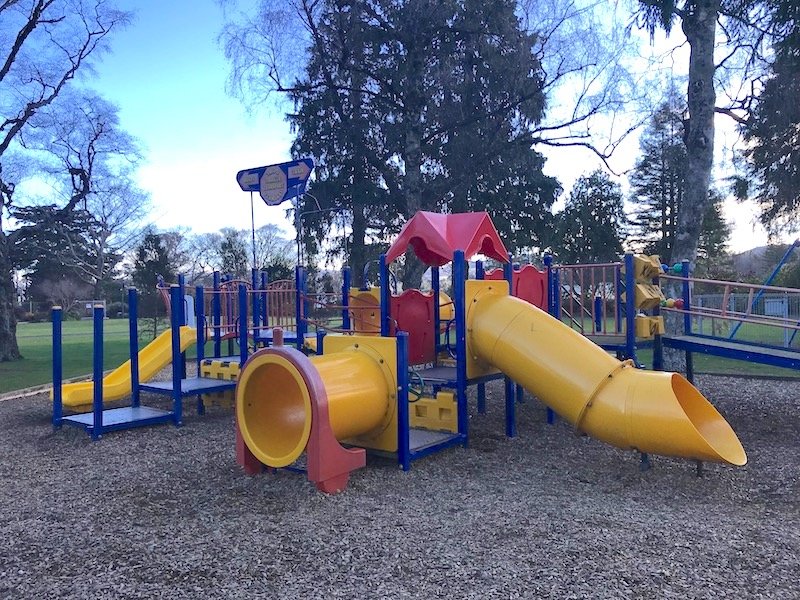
(167, 73)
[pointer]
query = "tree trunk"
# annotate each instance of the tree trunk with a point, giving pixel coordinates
(700, 29)
(9, 350)
(412, 182)
(358, 251)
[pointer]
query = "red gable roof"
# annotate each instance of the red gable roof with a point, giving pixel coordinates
(435, 236)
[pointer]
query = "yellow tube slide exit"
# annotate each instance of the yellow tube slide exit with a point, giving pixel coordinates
(650, 411)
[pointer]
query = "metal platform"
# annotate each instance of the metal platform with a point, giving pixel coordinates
(438, 375)
(121, 418)
(190, 386)
(617, 342)
(776, 357)
(420, 439)
(266, 336)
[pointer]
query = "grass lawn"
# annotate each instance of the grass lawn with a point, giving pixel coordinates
(35, 344)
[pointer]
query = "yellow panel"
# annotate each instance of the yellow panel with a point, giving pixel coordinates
(383, 349)
(645, 268)
(365, 310)
(436, 414)
(647, 295)
(475, 291)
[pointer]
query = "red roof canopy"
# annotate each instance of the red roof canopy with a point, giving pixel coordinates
(435, 236)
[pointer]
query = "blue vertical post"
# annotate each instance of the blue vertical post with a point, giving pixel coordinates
(256, 310)
(437, 322)
(182, 284)
(133, 344)
(182, 319)
(264, 299)
(548, 265)
(511, 412)
(480, 275)
(598, 313)
(630, 308)
(557, 292)
(403, 419)
(618, 296)
(200, 316)
(346, 283)
(299, 284)
(459, 293)
(97, 374)
(216, 307)
(321, 341)
(58, 371)
(385, 296)
(176, 298)
(243, 324)
(687, 317)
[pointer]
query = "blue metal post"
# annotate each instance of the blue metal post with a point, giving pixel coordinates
(182, 319)
(243, 324)
(264, 299)
(58, 373)
(256, 309)
(299, 304)
(217, 311)
(548, 265)
(385, 296)
(176, 298)
(182, 284)
(687, 318)
(459, 299)
(320, 341)
(200, 317)
(97, 374)
(598, 313)
(133, 343)
(630, 308)
(346, 283)
(437, 323)
(511, 411)
(618, 296)
(403, 419)
(480, 275)
(557, 292)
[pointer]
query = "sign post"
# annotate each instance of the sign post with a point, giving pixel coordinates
(276, 184)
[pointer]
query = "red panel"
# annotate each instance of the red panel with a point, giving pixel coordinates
(412, 311)
(527, 283)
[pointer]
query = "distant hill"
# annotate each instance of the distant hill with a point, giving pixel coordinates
(757, 263)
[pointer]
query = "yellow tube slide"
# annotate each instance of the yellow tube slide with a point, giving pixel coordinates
(274, 395)
(117, 384)
(655, 412)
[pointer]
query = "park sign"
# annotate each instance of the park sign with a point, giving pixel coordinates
(277, 183)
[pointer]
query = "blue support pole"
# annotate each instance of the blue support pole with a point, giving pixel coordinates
(97, 374)
(58, 371)
(618, 297)
(437, 323)
(182, 318)
(557, 292)
(182, 284)
(200, 316)
(346, 283)
(320, 340)
(385, 296)
(133, 344)
(298, 305)
(548, 265)
(176, 298)
(687, 318)
(480, 275)
(256, 309)
(598, 313)
(511, 410)
(630, 309)
(403, 419)
(264, 299)
(243, 324)
(216, 306)
(459, 299)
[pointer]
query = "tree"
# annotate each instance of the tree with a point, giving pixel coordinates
(407, 106)
(151, 264)
(49, 42)
(713, 259)
(80, 133)
(773, 131)
(658, 185)
(591, 226)
(744, 26)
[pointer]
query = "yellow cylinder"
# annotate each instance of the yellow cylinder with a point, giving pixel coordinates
(655, 412)
(275, 391)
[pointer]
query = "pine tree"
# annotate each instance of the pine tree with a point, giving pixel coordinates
(658, 184)
(590, 228)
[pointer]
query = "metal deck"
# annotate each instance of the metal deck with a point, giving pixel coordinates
(776, 357)
(189, 386)
(121, 418)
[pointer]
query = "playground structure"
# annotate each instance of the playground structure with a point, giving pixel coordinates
(359, 384)
(391, 371)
